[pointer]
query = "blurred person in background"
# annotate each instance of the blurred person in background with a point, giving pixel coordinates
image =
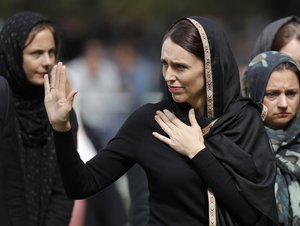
(272, 80)
(101, 108)
(12, 197)
(28, 50)
(137, 75)
(281, 35)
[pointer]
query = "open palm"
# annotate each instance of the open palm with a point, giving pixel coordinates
(58, 98)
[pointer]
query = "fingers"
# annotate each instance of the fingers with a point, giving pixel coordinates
(161, 138)
(163, 122)
(53, 76)
(46, 84)
(169, 118)
(58, 77)
(192, 118)
(61, 72)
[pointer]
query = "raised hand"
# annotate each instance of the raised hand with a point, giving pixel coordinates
(58, 98)
(186, 140)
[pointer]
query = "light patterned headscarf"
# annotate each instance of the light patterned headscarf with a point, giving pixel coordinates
(285, 142)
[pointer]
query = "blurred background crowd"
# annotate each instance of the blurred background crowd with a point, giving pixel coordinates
(144, 22)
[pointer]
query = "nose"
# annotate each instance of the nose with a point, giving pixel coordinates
(169, 75)
(47, 59)
(282, 103)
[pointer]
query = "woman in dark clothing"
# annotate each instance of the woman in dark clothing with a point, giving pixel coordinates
(12, 198)
(272, 79)
(281, 35)
(209, 166)
(28, 50)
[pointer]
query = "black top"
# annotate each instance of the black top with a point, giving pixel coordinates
(237, 164)
(177, 185)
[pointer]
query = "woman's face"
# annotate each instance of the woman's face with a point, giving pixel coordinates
(292, 49)
(184, 75)
(281, 98)
(39, 56)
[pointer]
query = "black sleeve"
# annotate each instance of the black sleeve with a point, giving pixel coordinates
(12, 173)
(81, 179)
(224, 188)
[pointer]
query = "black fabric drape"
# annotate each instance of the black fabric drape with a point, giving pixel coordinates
(232, 139)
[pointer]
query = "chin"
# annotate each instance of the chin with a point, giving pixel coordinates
(281, 124)
(38, 82)
(177, 100)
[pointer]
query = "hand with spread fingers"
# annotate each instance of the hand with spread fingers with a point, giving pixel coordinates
(186, 140)
(58, 98)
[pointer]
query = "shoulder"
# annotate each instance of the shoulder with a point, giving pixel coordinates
(143, 116)
(6, 103)
(4, 87)
(148, 109)
(4, 93)
(241, 115)
(245, 107)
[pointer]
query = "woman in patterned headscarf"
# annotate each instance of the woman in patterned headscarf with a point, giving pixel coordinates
(272, 80)
(204, 148)
(28, 50)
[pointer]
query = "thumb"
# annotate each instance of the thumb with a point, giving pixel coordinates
(46, 84)
(71, 96)
(192, 118)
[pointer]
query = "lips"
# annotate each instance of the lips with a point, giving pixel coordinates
(282, 115)
(41, 73)
(174, 89)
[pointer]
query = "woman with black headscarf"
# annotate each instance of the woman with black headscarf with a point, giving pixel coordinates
(204, 148)
(28, 50)
(272, 80)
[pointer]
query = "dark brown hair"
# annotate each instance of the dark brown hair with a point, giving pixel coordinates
(285, 34)
(288, 66)
(184, 34)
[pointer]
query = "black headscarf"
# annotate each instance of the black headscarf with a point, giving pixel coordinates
(12, 41)
(34, 131)
(266, 38)
(237, 140)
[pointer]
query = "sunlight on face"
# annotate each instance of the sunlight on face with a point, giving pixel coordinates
(184, 75)
(39, 56)
(281, 98)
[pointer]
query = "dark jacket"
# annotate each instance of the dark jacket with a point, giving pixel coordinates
(12, 199)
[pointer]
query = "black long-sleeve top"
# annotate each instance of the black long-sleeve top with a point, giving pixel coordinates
(177, 185)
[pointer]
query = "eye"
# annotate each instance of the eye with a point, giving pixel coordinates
(180, 67)
(291, 93)
(36, 54)
(52, 52)
(271, 95)
(164, 64)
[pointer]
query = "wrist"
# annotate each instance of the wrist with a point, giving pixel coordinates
(62, 127)
(194, 153)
